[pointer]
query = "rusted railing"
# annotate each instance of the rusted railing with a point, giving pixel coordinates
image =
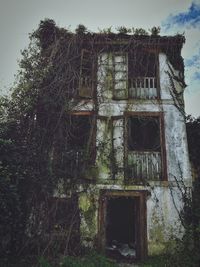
(85, 87)
(75, 162)
(144, 165)
(143, 88)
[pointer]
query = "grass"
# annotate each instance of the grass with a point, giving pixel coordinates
(156, 261)
(90, 260)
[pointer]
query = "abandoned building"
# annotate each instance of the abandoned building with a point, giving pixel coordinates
(127, 146)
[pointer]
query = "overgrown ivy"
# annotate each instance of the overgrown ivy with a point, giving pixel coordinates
(32, 121)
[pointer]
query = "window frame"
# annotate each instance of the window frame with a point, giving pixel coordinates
(92, 147)
(160, 117)
(157, 72)
(93, 75)
(93, 116)
(115, 54)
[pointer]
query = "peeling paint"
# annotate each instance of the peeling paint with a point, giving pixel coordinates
(162, 215)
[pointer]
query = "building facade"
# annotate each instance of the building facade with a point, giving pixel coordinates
(127, 143)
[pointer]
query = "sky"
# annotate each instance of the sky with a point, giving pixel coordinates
(18, 18)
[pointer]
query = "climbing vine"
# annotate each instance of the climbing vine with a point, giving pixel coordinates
(36, 122)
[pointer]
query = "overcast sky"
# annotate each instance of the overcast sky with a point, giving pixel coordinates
(18, 18)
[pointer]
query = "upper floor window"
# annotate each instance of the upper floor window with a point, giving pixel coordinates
(87, 74)
(142, 76)
(129, 74)
(144, 147)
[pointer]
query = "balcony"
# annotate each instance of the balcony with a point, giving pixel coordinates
(144, 165)
(143, 88)
(85, 87)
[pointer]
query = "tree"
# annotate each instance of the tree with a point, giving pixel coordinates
(193, 134)
(31, 121)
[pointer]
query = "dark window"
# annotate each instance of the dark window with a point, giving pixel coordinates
(79, 131)
(80, 149)
(143, 134)
(74, 146)
(87, 74)
(142, 81)
(141, 64)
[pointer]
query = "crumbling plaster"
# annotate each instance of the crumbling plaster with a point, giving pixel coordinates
(164, 199)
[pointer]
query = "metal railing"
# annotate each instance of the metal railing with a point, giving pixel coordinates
(85, 87)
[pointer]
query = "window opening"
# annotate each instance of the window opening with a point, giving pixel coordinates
(87, 74)
(144, 161)
(79, 132)
(142, 75)
(143, 134)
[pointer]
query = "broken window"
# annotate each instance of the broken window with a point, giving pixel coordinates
(143, 134)
(144, 148)
(80, 150)
(79, 130)
(86, 85)
(142, 74)
(130, 75)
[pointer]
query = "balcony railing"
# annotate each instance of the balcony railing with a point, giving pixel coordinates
(85, 87)
(139, 88)
(76, 162)
(144, 165)
(143, 88)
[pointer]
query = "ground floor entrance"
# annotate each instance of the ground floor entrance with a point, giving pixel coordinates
(122, 224)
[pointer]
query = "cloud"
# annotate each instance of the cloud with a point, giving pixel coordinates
(194, 61)
(196, 75)
(189, 19)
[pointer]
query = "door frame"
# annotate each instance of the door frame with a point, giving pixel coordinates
(105, 195)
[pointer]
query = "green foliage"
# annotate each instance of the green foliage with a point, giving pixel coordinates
(123, 30)
(30, 123)
(157, 261)
(90, 260)
(155, 31)
(81, 29)
(44, 262)
(46, 33)
(139, 31)
(106, 30)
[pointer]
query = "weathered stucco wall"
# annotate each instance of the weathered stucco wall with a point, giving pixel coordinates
(164, 199)
(163, 206)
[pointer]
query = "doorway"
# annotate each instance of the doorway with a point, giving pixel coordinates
(123, 224)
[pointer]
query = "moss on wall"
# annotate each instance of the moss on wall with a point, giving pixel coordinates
(88, 204)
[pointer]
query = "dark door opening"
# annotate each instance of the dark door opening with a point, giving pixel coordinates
(122, 227)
